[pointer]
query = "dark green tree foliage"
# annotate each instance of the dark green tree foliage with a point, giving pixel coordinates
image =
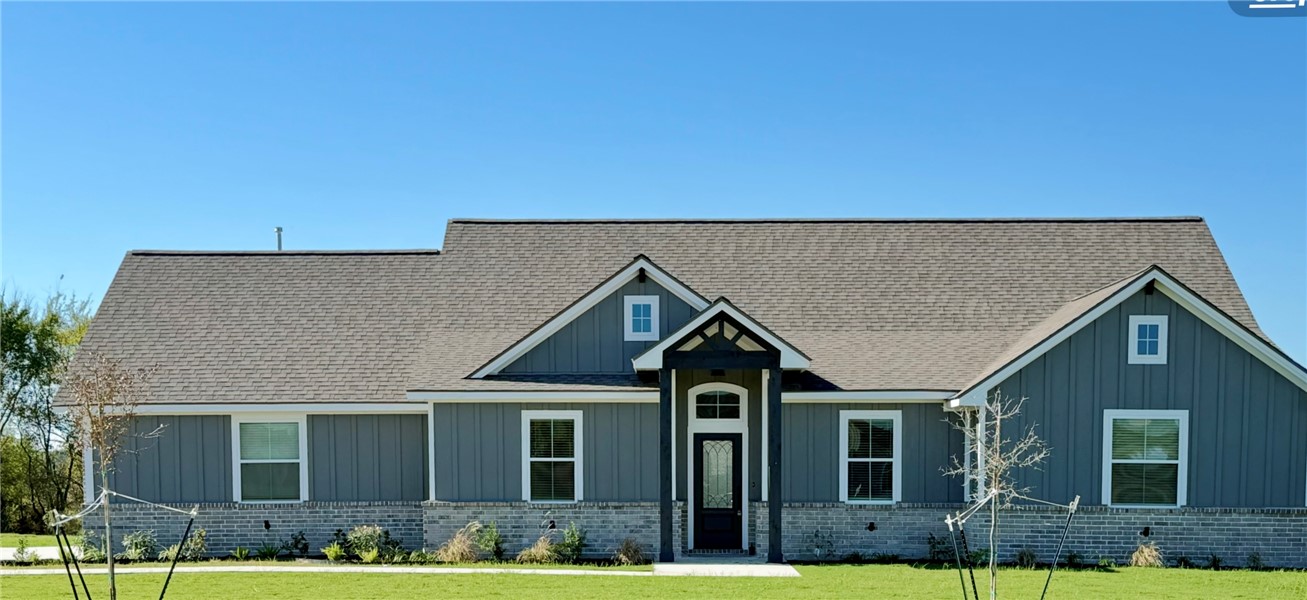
(41, 463)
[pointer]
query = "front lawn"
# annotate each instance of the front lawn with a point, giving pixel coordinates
(10, 540)
(879, 581)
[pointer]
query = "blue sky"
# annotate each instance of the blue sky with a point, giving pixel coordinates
(368, 126)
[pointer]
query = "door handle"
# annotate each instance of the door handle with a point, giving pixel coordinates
(737, 513)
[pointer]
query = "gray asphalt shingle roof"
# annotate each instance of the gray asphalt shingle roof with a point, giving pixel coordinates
(877, 304)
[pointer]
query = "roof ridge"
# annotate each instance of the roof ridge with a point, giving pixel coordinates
(281, 252)
(769, 220)
(1109, 284)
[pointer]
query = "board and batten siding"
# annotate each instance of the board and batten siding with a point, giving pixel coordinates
(1247, 423)
(593, 342)
(188, 461)
(811, 452)
(351, 458)
(355, 458)
(479, 451)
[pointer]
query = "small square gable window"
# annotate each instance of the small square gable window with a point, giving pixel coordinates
(641, 318)
(1147, 344)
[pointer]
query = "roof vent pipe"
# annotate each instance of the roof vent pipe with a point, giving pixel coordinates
(278, 230)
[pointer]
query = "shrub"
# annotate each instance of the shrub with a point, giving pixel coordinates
(1254, 562)
(194, 549)
(462, 548)
(822, 545)
(92, 548)
(490, 542)
(1146, 555)
(139, 545)
(21, 553)
(541, 552)
(334, 551)
(1106, 562)
(369, 556)
(855, 558)
(1213, 562)
(364, 538)
(241, 553)
(421, 557)
(1074, 560)
(1027, 558)
(269, 551)
(298, 544)
(569, 550)
(940, 549)
(1185, 563)
(978, 557)
(883, 558)
(629, 552)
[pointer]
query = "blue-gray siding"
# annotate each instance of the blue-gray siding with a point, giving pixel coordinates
(1247, 423)
(479, 451)
(188, 461)
(811, 452)
(367, 457)
(351, 457)
(593, 342)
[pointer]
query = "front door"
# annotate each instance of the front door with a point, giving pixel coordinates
(717, 490)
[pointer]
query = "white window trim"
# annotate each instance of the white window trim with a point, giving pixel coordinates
(578, 446)
(633, 336)
(1182, 477)
(299, 419)
(696, 425)
(1148, 359)
(857, 415)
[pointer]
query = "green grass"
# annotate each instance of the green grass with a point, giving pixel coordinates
(879, 581)
(10, 540)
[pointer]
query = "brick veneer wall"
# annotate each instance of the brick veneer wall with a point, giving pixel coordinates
(228, 525)
(1278, 535)
(606, 524)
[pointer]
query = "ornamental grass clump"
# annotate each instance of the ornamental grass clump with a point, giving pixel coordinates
(629, 552)
(1147, 555)
(539, 553)
(462, 548)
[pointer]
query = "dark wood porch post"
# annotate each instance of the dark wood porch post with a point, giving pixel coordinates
(665, 553)
(774, 554)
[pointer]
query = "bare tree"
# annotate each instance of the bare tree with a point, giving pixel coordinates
(994, 461)
(104, 399)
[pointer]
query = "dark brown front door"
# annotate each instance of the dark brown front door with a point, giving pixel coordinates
(717, 490)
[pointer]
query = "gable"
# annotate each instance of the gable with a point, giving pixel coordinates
(594, 342)
(1246, 420)
(1151, 284)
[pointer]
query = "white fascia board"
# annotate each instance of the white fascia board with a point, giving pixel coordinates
(652, 359)
(587, 302)
(301, 408)
(1237, 334)
(975, 396)
(888, 397)
(1176, 292)
(476, 397)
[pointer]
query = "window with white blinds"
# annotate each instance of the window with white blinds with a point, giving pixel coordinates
(1146, 457)
(551, 456)
(269, 460)
(871, 447)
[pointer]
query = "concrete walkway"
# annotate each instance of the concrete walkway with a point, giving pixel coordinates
(693, 568)
(42, 552)
(723, 566)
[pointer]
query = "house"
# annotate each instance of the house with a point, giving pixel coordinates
(670, 380)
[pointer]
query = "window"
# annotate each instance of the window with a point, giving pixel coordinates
(641, 318)
(270, 464)
(717, 405)
(871, 443)
(1146, 455)
(551, 455)
(1147, 340)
